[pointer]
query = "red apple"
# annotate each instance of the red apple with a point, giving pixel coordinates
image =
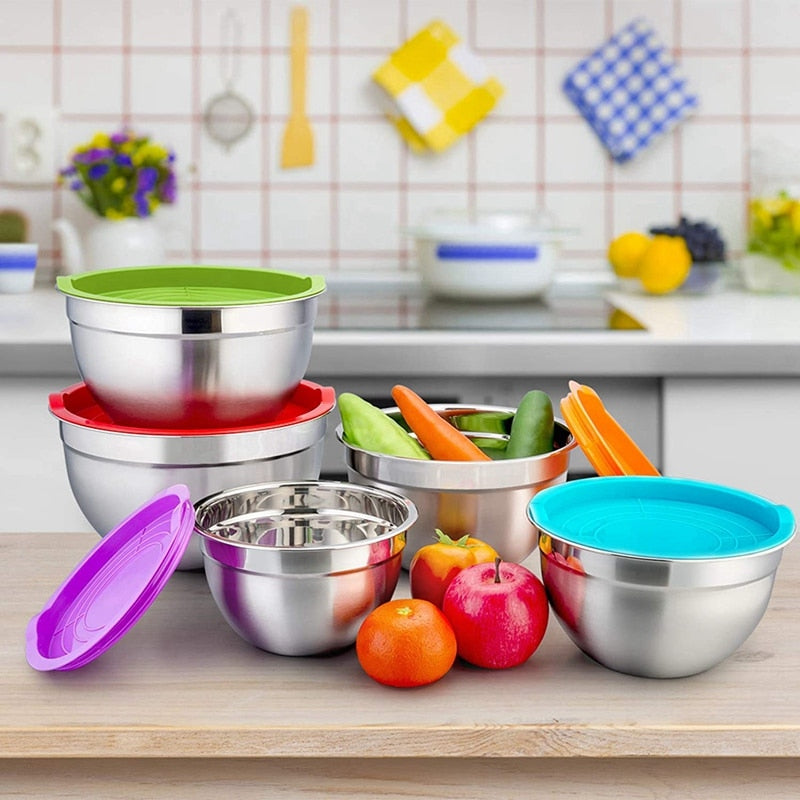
(499, 613)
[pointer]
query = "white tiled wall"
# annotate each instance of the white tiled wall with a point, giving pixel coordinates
(156, 63)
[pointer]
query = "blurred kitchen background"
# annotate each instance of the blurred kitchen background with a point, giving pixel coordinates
(95, 65)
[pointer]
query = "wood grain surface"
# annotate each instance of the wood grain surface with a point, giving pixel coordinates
(181, 685)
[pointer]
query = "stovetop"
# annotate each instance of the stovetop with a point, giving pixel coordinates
(387, 305)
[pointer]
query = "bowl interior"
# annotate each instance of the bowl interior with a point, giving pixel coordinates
(303, 515)
(488, 426)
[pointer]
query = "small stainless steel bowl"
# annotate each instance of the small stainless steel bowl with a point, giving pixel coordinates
(295, 567)
(112, 470)
(191, 365)
(485, 499)
(654, 617)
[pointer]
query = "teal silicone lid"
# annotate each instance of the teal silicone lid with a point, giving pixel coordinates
(190, 285)
(659, 517)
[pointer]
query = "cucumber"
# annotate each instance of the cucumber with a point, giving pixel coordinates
(494, 448)
(483, 421)
(533, 426)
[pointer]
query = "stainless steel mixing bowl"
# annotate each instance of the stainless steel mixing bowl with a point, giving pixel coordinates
(295, 567)
(485, 499)
(655, 617)
(157, 365)
(112, 473)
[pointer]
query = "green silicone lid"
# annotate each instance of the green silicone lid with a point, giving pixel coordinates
(190, 285)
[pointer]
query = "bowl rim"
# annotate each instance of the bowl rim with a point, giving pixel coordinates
(70, 284)
(325, 401)
(786, 529)
(572, 442)
(410, 509)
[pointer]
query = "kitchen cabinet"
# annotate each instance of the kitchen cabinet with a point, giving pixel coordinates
(738, 432)
(181, 707)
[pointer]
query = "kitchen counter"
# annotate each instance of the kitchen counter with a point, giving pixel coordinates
(728, 333)
(181, 707)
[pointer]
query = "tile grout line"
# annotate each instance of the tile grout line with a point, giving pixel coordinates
(57, 200)
(266, 146)
(195, 182)
(677, 142)
(541, 132)
(608, 171)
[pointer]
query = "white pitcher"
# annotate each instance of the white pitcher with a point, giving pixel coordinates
(129, 242)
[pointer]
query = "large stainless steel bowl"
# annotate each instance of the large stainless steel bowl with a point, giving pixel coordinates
(485, 499)
(655, 617)
(192, 365)
(111, 473)
(295, 567)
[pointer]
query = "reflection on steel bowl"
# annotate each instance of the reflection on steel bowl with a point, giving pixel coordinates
(295, 567)
(227, 346)
(485, 499)
(653, 581)
(113, 469)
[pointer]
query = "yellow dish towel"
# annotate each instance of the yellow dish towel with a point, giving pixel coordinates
(438, 88)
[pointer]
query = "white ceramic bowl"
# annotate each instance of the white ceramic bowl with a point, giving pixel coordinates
(496, 255)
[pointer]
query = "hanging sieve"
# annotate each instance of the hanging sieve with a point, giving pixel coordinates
(228, 117)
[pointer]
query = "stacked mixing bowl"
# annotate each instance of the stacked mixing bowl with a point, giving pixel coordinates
(192, 375)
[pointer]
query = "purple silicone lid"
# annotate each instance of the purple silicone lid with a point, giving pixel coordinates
(113, 586)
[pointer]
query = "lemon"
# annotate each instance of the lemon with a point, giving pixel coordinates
(625, 253)
(665, 264)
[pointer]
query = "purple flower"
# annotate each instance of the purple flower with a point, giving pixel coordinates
(95, 154)
(169, 188)
(67, 171)
(97, 171)
(146, 179)
(76, 186)
(119, 138)
(123, 160)
(142, 206)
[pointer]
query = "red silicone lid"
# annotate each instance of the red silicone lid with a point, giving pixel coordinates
(113, 586)
(76, 404)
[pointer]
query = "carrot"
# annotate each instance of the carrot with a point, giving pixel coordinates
(437, 435)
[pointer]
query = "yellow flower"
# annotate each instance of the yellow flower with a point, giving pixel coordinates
(112, 213)
(100, 140)
(118, 185)
(155, 152)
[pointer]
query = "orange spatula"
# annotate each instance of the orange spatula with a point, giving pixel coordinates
(298, 138)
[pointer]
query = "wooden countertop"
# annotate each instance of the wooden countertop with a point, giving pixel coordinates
(182, 685)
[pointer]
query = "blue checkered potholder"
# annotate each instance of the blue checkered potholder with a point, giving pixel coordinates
(630, 90)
